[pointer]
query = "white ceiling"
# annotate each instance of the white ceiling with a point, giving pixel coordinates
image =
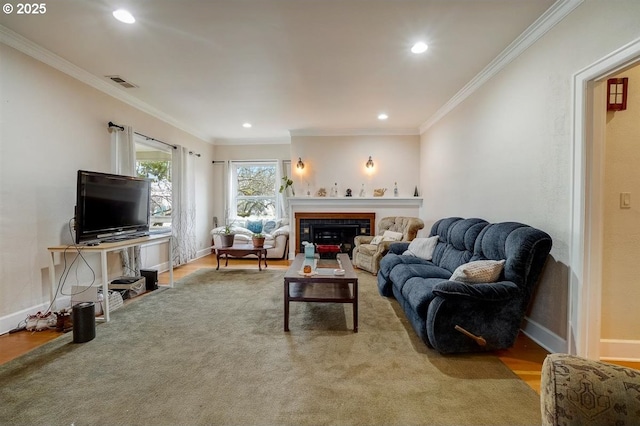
(284, 65)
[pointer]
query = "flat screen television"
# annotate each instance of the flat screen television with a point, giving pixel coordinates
(111, 207)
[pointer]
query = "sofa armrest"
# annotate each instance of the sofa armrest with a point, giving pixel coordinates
(490, 292)
(362, 239)
(283, 230)
(398, 247)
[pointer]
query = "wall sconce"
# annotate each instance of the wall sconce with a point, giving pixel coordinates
(369, 163)
(299, 164)
(617, 94)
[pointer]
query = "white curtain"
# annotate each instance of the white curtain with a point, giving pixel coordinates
(123, 162)
(183, 214)
(123, 151)
(283, 170)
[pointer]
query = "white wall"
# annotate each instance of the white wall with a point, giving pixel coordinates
(505, 153)
(341, 160)
(52, 125)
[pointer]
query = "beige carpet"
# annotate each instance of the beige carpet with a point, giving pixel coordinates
(213, 351)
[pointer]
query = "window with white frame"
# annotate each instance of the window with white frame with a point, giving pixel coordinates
(153, 161)
(253, 189)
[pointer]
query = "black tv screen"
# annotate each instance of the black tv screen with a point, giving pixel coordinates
(110, 206)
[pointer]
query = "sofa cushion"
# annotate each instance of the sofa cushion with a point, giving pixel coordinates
(479, 271)
(457, 245)
(422, 247)
(399, 276)
(418, 293)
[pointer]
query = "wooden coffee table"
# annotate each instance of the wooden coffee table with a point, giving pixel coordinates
(321, 287)
(241, 250)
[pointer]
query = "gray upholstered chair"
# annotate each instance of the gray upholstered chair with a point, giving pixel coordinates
(367, 256)
(579, 391)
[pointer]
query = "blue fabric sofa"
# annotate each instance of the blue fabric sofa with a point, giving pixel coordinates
(440, 310)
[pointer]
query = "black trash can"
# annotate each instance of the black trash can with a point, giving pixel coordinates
(84, 322)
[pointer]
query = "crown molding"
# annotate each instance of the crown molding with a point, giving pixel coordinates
(556, 13)
(355, 132)
(253, 141)
(26, 46)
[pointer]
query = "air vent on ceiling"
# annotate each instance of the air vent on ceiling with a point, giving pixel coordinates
(121, 81)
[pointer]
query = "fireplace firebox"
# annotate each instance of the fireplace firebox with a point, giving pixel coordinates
(332, 229)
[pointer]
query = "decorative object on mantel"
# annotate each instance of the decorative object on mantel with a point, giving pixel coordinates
(395, 189)
(322, 192)
(348, 192)
(362, 193)
(379, 192)
(286, 184)
(415, 192)
(334, 190)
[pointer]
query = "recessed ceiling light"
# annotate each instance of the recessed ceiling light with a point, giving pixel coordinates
(247, 125)
(382, 116)
(419, 47)
(124, 16)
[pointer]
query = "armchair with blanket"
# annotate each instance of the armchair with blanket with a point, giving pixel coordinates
(369, 250)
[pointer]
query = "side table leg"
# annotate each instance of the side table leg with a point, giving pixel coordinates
(218, 259)
(265, 258)
(259, 260)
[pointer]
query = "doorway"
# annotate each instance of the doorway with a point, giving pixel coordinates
(585, 281)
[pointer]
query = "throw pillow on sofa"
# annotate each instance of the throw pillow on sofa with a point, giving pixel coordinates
(391, 236)
(422, 247)
(254, 226)
(480, 271)
(269, 226)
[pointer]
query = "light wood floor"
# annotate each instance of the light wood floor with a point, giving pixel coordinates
(524, 358)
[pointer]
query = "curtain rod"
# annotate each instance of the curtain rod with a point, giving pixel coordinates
(194, 153)
(218, 162)
(149, 138)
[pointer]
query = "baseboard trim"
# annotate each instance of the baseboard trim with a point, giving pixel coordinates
(11, 321)
(544, 337)
(619, 350)
(203, 252)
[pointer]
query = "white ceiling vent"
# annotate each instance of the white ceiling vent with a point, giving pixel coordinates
(121, 81)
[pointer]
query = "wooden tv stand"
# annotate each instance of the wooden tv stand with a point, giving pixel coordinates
(103, 249)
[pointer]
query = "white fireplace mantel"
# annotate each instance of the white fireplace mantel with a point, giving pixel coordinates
(381, 206)
(347, 202)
